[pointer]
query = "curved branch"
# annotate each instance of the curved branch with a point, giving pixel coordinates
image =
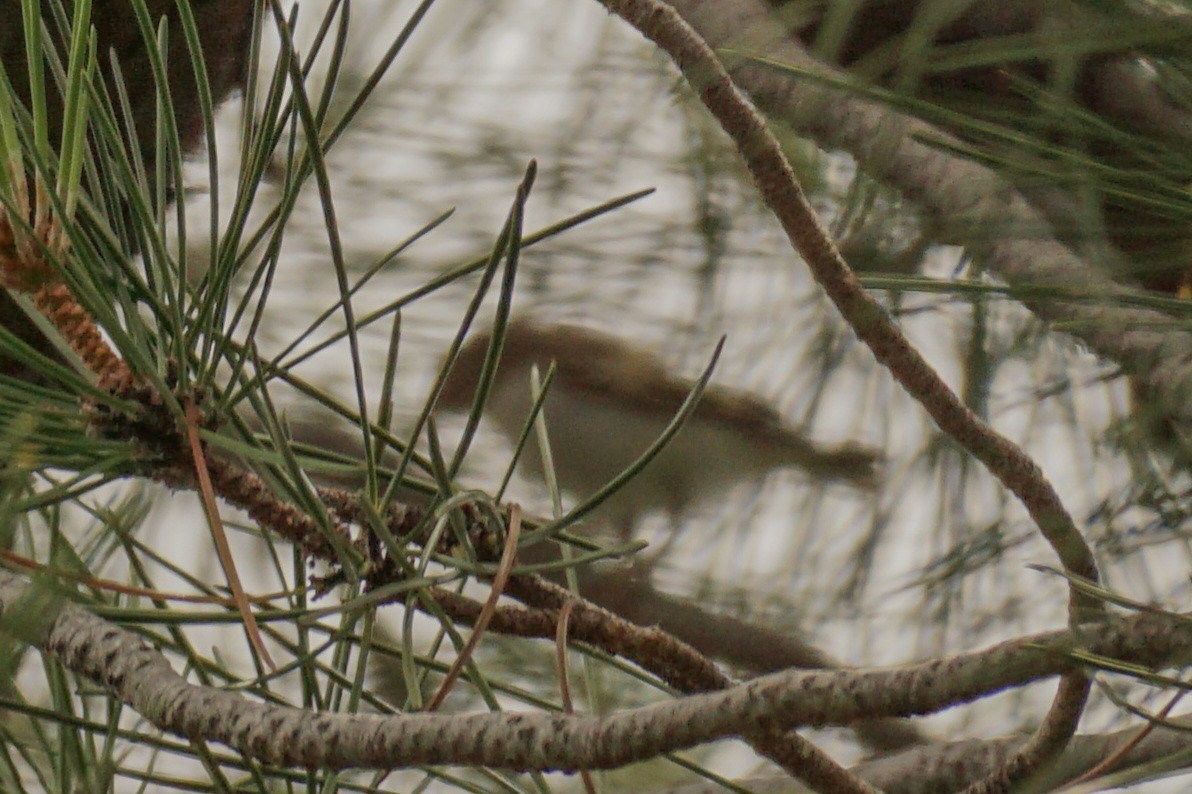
(1013, 468)
(969, 203)
(780, 189)
(141, 677)
(952, 765)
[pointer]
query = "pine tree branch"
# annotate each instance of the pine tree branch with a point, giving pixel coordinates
(968, 203)
(141, 676)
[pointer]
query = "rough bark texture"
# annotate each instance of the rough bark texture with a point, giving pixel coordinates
(143, 678)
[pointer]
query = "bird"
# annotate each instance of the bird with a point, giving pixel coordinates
(610, 400)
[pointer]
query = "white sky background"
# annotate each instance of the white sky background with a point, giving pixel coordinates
(481, 90)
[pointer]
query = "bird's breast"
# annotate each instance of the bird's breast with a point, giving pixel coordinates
(594, 438)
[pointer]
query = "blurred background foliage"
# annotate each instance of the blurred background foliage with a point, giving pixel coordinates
(934, 563)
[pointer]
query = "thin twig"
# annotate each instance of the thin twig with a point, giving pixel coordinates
(215, 523)
(498, 587)
(1113, 759)
(565, 680)
(111, 586)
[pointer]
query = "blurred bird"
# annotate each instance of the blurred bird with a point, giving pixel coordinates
(609, 401)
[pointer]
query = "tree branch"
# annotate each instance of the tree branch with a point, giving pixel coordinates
(970, 204)
(141, 677)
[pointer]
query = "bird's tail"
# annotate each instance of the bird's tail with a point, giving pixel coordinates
(854, 464)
